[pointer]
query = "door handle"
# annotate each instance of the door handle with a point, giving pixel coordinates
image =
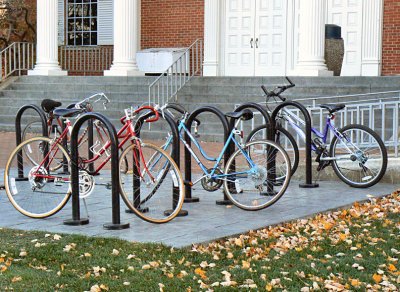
(251, 42)
(256, 43)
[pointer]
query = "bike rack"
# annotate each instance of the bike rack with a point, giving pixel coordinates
(307, 119)
(188, 159)
(76, 219)
(18, 131)
(270, 132)
(175, 155)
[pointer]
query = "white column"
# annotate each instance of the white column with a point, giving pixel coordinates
(372, 38)
(211, 37)
(47, 39)
(126, 38)
(311, 60)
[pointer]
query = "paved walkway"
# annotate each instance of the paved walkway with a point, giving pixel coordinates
(206, 221)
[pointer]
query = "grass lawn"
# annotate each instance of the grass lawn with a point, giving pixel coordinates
(353, 249)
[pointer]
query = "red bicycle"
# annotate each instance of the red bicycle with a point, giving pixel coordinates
(150, 181)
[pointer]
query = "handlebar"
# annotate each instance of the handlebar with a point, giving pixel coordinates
(101, 96)
(278, 90)
(152, 109)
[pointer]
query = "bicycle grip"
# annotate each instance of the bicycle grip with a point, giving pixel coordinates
(181, 109)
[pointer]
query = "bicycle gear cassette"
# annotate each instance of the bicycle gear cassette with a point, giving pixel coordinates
(212, 184)
(86, 184)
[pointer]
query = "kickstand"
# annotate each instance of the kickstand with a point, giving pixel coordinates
(319, 173)
(86, 208)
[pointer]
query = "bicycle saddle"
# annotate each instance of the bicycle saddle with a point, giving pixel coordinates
(48, 105)
(245, 115)
(332, 108)
(67, 112)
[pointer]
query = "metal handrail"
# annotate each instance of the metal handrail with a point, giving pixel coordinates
(17, 57)
(167, 85)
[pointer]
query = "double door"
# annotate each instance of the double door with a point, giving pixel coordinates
(255, 37)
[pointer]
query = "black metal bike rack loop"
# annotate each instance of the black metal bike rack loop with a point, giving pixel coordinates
(76, 219)
(307, 119)
(175, 155)
(188, 157)
(18, 132)
(270, 134)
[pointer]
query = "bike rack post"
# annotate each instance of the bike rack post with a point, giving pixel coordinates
(307, 119)
(76, 220)
(188, 158)
(270, 134)
(18, 132)
(175, 155)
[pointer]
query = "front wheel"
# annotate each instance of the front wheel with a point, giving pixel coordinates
(152, 186)
(33, 186)
(251, 175)
(283, 138)
(360, 156)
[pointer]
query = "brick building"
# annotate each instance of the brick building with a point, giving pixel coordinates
(241, 37)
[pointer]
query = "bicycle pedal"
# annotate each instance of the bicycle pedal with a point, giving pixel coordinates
(188, 183)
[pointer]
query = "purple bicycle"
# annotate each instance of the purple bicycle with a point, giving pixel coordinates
(356, 153)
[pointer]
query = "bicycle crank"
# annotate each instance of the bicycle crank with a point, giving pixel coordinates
(211, 184)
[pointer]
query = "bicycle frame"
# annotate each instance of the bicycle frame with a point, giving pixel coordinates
(290, 118)
(211, 174)
(126, 133)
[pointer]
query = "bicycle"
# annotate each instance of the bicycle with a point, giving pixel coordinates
(39, 191)
(356, 153)
(252, 173)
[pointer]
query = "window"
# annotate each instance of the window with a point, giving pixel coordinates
(82, 23)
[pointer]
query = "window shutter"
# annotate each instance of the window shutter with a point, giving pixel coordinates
(105, 22)
(61, 21)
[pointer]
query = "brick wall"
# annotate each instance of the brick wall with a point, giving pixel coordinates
(391, 38)
(171, 23)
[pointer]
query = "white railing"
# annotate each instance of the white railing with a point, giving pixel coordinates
(85, 60)
(379, 111)
(189, 64)
(16, 58)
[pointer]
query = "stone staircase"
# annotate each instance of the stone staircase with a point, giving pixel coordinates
(222, 92)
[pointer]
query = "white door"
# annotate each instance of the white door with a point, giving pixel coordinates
(348, 15)
(270, 37)
(255, 38)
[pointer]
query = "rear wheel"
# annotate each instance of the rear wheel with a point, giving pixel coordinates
(256, 187)
(152, 187)
(360, 156)
(36, 189)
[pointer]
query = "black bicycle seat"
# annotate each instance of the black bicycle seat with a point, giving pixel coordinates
(67, 112)
(245, 115)
(332, 108)
(48, 105)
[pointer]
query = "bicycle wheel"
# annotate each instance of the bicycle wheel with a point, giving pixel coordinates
(255, 187)
(283, 138)
(36, 190)
(152, 184)
(361, 156)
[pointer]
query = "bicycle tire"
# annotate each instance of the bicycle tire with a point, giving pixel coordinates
(259, 179)
(55, 190)
(152, 205)
(292, 150)
(351, 165)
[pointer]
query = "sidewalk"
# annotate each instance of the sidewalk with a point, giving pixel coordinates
(206, 221)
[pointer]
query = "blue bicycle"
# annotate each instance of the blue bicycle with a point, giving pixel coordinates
(255, 176)
(356, 153)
